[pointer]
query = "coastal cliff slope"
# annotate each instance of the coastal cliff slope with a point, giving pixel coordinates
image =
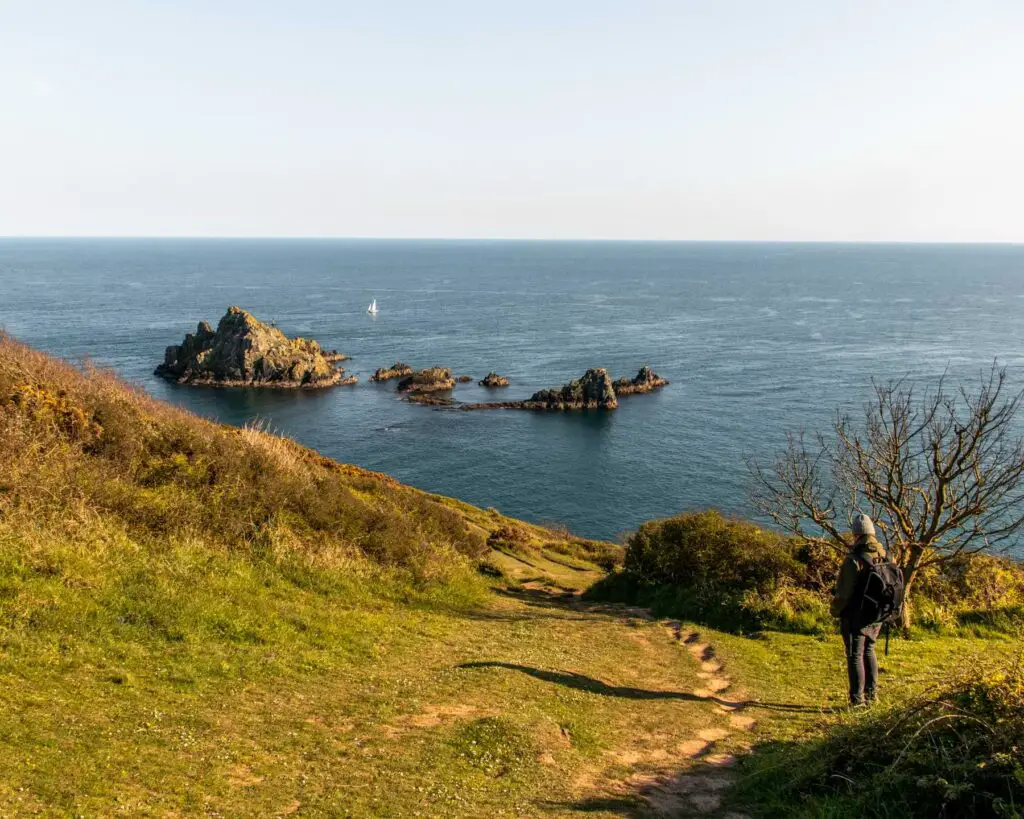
(245, 352)
(205, 620)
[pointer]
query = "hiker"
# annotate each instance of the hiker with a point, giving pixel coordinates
(859, 637)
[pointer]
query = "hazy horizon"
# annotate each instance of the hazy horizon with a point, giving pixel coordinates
(651, 120)
(499, 239)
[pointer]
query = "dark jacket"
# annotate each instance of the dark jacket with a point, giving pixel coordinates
(865, 552)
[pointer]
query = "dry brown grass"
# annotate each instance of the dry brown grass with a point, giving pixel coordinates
(73, 438)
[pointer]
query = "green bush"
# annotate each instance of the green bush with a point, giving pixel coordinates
(725, 572)
(707, 551)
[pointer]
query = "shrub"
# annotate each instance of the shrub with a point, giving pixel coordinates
(508, 537)
(709, 552)
(726, 572)
(974, 594)
(607, 556)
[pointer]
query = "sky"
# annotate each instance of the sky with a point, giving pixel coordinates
(551, 119)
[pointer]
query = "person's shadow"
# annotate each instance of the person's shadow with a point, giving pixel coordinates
(581, 682)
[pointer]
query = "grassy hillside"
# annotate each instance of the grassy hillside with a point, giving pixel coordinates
(153, 565)
(196, 619)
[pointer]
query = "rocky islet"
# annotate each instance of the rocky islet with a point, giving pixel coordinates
(245, 352)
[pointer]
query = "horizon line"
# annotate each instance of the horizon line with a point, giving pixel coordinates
(500, 239)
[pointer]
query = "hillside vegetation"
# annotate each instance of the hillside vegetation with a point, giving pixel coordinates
(149, 558)
(197, 619)
(737, 576)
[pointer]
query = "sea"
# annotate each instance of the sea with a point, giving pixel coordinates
(757, 339)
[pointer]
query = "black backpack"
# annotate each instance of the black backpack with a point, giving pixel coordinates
(879, 594)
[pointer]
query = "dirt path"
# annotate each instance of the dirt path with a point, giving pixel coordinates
(665, 774)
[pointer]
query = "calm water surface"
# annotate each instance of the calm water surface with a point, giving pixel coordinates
(757, 339)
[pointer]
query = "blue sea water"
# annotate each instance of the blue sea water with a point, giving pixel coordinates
(757, 340)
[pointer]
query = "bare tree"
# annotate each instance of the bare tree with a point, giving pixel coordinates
(940, 471)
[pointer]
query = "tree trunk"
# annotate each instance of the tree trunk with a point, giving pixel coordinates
(905, 618)
(909, 574)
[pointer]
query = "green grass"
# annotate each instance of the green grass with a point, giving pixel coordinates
(797, 684)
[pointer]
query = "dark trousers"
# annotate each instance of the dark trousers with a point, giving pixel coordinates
(861, 663)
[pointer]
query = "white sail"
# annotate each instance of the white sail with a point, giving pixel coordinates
(372, 308)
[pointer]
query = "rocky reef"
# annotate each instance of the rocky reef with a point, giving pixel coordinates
(593, 391)
(432, 379)
(492, 380)
(396, 370)
(645, 381)
(245, 352)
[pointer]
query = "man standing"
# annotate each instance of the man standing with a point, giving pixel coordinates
(858, 637)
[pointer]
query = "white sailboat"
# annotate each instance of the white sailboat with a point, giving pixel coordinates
(372, 309)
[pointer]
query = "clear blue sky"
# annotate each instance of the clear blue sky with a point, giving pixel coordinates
(720, 119)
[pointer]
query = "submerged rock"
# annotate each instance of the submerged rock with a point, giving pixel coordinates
(432, 379)
(463, 379)
(397, 370)
(430, 399)
(245, 352)
(645, 381)
(492, 379)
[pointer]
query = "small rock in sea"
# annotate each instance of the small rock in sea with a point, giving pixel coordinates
(645, 381)
(397, 370)
(463, 379)
(429, 399)
(492, 379)
(432, 379)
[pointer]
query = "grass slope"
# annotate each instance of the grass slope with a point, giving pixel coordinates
(196, 619)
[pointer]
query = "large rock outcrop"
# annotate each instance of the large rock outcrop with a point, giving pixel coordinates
(245, 352)
(645, 381)
(593, 391)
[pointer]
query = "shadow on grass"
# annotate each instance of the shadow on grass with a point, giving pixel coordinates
(627, 806)
(565, 599)
(581, 682)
